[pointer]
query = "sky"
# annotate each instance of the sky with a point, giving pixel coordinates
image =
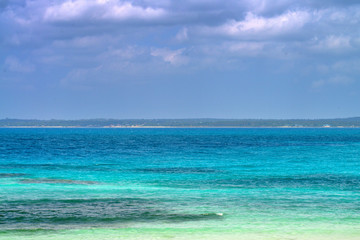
(77, 59)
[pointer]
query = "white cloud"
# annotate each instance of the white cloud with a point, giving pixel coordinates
(100, 10)
(67, 11)
(262, 6)
(254, 25)
(128, 11)
(205, 32)
(173, 57)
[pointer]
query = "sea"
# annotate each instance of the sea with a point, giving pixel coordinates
(180, 183)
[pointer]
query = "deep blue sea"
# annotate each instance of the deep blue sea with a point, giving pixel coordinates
(196, 183)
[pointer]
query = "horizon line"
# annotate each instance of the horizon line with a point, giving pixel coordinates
(200, 118)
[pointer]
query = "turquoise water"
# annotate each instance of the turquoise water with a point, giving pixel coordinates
(179, 184)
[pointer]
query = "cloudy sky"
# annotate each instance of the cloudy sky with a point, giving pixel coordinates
(72, 59)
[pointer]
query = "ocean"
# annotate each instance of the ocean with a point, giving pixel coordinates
(185, 183)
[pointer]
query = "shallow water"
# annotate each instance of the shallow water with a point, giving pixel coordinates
(179, 183)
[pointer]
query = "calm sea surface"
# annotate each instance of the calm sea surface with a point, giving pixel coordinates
(179, 184)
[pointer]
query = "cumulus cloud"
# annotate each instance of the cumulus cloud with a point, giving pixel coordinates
(260, 27)
(239, 48)
(88, 33)
(100, 10)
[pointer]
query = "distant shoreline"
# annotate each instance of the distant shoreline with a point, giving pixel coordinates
(353, 122)
(139, 127)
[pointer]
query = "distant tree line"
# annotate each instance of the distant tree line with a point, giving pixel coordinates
(337, 122)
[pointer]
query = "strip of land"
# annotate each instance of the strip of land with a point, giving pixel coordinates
(353, 122)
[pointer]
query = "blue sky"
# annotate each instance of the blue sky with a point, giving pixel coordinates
(179, 59)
